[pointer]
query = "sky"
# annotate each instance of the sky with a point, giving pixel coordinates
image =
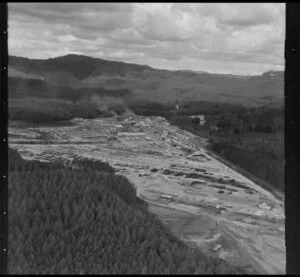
(231, 38)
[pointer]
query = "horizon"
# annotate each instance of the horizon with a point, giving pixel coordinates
(228, 38)
(187, 70)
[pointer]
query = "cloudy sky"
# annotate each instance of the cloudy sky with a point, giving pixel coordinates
(221, 38)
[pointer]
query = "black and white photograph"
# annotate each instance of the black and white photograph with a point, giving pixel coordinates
(146, 138)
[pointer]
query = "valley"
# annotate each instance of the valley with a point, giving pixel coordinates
(203, 201)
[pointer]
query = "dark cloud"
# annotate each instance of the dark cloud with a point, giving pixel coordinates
(65, 10)
(87, 18)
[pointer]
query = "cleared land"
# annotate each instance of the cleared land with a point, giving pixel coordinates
(206, 203)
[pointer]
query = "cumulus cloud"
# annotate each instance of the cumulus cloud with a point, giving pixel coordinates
(247, 14)
(227, 38)
(160, 22)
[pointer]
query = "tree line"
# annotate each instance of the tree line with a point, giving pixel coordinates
(251, 138)
(263, 165)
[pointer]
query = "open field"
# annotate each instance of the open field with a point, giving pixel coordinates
(205, 203)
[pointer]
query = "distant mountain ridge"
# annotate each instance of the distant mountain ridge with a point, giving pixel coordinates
(79, 66)
(147, 83)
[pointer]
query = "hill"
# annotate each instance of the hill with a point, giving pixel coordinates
(147, 83)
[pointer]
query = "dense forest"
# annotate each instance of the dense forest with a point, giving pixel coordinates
(84, 219)
(263, 165)
(36, 101)
(252, 139)
(49, 110)
(24, 87)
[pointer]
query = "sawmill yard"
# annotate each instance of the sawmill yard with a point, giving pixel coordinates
(203, 201)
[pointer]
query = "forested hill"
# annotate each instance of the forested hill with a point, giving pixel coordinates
(87, 220)
(147, 83)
